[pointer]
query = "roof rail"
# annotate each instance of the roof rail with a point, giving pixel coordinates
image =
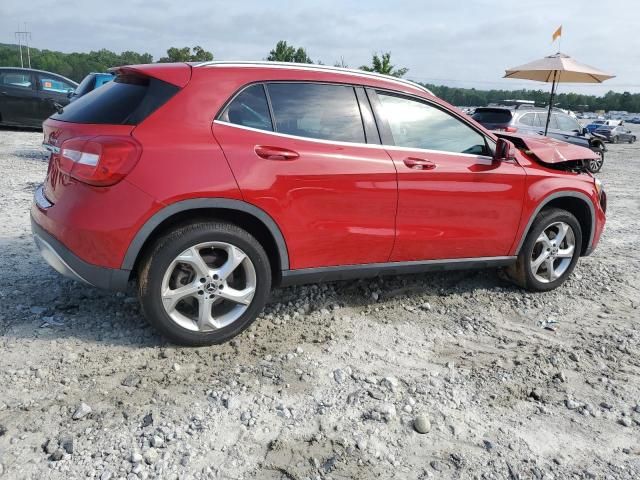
(312, 66)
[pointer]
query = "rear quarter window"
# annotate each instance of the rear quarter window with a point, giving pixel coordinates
(127, 100)
(249, 109)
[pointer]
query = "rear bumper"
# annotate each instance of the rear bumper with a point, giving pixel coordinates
(61, 259)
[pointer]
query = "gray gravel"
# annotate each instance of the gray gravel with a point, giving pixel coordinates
(333, 381)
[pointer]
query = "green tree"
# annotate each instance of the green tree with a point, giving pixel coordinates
(288, 53)
(383, 65)
(185, 55)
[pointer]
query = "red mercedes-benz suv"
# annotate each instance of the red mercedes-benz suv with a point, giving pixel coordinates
(211, 183)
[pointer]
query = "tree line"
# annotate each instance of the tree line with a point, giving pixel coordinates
(77, 65)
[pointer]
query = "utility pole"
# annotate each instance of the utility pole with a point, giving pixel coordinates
(24, 36)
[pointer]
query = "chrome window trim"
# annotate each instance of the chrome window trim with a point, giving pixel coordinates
(352, 144)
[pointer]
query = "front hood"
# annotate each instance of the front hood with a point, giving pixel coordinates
(549, 150)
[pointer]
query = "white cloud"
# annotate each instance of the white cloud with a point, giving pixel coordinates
(454, 43)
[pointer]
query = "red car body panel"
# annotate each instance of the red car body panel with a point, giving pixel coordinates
(465, 206)
(336, 204)
(177, 74)
(346, 195)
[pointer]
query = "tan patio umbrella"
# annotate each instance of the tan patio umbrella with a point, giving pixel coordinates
(555, 69)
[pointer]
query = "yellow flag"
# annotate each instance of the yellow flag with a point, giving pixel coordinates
(557, 34)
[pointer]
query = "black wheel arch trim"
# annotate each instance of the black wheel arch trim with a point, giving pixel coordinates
(554, 196)
(170, 210)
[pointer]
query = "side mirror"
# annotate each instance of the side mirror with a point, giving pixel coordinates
(505, 150)
(69, 93)
(585, 131)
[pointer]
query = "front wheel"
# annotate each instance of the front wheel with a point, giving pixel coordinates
(549, 253)
(594, 166)
(204, 283)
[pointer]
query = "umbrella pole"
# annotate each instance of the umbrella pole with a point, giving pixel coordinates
(553, 91)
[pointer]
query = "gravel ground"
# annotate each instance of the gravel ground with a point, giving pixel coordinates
(332, 381)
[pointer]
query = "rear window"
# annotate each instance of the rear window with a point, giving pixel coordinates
(492, 116)
(128, 100)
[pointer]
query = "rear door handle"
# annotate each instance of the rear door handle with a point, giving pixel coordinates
(275, 153)
(419, 163)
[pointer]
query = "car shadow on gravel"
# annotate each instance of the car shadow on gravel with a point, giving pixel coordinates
(63, 308)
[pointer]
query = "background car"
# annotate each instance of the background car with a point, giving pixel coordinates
(28, 97)
(532, 120)
(90, 83)
(619, 134)
(593, 126)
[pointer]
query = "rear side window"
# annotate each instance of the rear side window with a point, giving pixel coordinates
(128, 100)
(249, 109)
(415, 124)
(492, 116)
(327, 112)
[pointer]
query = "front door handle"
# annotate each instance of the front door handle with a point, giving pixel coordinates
(419, 163)
(275, 153)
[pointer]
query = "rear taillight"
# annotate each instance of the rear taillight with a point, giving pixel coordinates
(99, 161)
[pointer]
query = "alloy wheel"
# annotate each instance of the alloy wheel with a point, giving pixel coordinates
(208, 286)
(552, 252)
(596, 165)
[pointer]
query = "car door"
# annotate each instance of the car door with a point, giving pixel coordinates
(313, 162)
(454, 200)
(52, 88)
(19, 102)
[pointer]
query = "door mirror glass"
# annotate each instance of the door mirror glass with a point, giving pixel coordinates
(504, 150)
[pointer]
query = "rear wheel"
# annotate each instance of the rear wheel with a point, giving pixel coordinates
(550, 251)
(615, 139)
(204, 283)
(632, 139)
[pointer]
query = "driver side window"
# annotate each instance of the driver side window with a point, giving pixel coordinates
(415, 124)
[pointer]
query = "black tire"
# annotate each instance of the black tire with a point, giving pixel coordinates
(521, 272)
(632, 139)
(594, 166)
(158, 259)
(615, 139)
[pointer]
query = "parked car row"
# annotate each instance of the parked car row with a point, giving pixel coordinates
(28, 96)
(532, 120)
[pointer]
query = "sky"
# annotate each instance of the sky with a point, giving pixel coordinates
(456, 43)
